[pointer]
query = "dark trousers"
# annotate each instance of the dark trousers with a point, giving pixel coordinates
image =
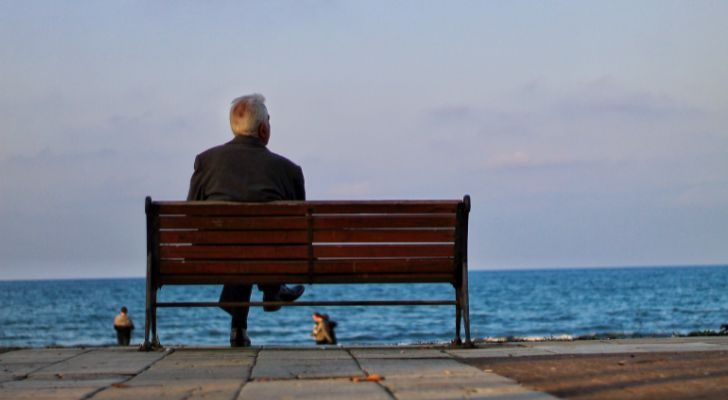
(123, 335)
(241, 294)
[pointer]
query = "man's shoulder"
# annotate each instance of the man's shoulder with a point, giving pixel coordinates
(283, 160)
(242, 149)
(212, 151)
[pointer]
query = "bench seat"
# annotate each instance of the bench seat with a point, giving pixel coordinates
(308, 242)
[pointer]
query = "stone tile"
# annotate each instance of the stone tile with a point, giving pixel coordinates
(479, 386)
(670, 340)
(654, 347)
(38, 356)
(188, 374)
(61, 381)
(500, 352)
(417, 368)
(201, 367)
(634, 347)
(9, 372)
(399, 353)
(18, 364)
(104, 362)
(305, 368)
(314, 354)
(327, 389)
(590, 349)
(220, 389)
(720, 340)
(46, 394)
(318, 363)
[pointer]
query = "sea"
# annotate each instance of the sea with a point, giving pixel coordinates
(532, 304)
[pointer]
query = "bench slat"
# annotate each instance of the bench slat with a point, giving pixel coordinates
(255, 267)
(381, 235)
(322, 267)
(387, 207)
(222, 208)
(384, 221)
(369, 251)
(234, 237)
(234, 252)
(293, 278)
(272, 223)
(340, 267)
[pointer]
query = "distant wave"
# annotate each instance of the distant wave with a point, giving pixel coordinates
(530, 305)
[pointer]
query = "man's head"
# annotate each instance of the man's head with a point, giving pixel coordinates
(249, 117)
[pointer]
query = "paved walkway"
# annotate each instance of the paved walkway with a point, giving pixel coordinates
(280, 373)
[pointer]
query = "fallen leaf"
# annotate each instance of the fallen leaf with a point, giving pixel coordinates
(120, 385)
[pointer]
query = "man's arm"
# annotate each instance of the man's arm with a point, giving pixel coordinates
(299, 185)
(195, 192)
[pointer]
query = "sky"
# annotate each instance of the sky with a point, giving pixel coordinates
(588, 134)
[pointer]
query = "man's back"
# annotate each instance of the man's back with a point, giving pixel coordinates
(245, 170)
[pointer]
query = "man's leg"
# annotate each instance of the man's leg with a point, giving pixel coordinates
(239, 321)
(280, 293)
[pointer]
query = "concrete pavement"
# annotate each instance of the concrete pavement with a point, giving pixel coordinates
(289, 373)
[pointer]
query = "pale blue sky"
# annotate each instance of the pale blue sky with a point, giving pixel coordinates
(587, 133)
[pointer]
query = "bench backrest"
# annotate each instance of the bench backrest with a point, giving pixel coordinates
(306, 242)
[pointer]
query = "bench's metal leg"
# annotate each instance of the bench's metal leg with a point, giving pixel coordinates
(150, 323)
(147, 345)
(466, 306)
(458, 316)
(155, 338)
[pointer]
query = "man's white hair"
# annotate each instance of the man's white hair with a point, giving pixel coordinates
(246, 114)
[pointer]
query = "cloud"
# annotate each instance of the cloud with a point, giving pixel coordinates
(599, 101)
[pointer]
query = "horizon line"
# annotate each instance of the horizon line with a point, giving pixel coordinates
(514, 269)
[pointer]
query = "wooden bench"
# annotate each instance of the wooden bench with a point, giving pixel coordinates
(343, 242)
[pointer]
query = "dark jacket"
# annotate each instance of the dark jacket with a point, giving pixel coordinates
(245, 170)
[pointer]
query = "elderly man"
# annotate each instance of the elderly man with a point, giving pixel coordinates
(245, 170)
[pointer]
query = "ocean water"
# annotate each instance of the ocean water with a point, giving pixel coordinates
(536, 303)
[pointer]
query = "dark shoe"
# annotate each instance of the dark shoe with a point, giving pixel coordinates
(286, 293)
(239, 338)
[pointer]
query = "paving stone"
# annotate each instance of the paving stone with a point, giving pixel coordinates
(104, 362)
(9, 372)
(590, 349)
(46, 394)
(654, 347)
(305, 368)
(60, 382)
(479, 386)
(614, 348)
(36, 356)
(500, 352)
(220, 389)
(315, 354)
(326, 389)
(198, 366)
(18, 364)
(399, 353)
(670, 340)
(289, 364)
(188, 374)
(417, 368)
